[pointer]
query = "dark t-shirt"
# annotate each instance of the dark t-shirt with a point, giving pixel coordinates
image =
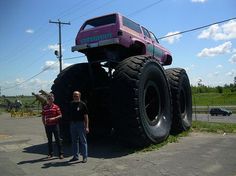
(77, 111)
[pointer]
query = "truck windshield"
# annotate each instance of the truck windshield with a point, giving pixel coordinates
(101, 21)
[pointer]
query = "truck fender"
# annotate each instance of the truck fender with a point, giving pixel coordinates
(167, 59)
(138, 43)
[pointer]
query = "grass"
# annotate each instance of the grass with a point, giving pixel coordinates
(197, 126)
(213, 127)
(23, 99)
(214, 99)
(170, 139)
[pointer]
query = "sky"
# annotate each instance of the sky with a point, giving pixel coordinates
(28, 40)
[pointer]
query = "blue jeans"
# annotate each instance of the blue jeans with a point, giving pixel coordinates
(78, 137)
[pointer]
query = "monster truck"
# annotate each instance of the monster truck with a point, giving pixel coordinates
(124, 83)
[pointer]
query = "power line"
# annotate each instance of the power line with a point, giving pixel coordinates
(144, 8)
(73, 57)
(194, 29)
(16, 85)
(39, 73)
(93, 10)
(75, 8)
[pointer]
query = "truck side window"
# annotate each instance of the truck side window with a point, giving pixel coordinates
(153, 37)
(132, 25)
(145, 32)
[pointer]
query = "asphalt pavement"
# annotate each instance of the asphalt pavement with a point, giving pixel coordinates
(218, 118)
(23, 151)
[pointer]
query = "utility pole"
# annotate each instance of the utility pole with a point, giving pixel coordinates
(59, 55)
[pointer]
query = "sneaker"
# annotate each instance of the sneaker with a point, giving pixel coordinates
(49, 156)
(61, 157)
(73, 159)
(84, 160)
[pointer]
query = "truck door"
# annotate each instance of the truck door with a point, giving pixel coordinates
(148, 42)
(157, 51)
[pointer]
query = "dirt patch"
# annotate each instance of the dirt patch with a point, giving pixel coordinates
(4, 136)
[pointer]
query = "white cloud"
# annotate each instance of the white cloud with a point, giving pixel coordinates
(190, 68)
(53, 47)
(219, 66)
(19, 80)
(226, 31)
(187, 69)
(233, 59)
(201, 1)
(66, 65)
(26, 88)
(231, 73)
(216, 73)
(50, 65)
(54, 65)
(29, 31)
(221, 49)
(174, 38)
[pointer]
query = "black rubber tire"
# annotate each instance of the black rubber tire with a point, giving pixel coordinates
(181, 99)
(77, 77)
(141, 101)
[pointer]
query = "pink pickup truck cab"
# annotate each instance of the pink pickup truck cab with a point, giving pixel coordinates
(116, 37)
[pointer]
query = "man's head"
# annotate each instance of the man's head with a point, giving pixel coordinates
(76, 95)
(50, 98)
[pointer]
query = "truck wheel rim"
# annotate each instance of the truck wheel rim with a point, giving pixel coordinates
(152, 103)
(183, 103)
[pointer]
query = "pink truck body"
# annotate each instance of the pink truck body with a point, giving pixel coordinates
(112, 33)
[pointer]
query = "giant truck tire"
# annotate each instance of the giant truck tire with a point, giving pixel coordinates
(141, 101)
(181, 99)
(77, 77)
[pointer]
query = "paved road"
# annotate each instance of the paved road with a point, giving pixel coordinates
(23, 149)
(219, 118)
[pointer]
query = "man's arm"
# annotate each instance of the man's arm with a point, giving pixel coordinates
(54, 118)
(86, 123)
(43, 117)
(58, 114)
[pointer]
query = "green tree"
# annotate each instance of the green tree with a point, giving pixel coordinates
(219, 89)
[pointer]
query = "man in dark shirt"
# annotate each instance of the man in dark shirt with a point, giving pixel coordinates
(79, 127)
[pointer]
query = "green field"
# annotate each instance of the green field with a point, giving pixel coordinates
(198, 99)
(28, 103)
(23, 99)
(214, 99)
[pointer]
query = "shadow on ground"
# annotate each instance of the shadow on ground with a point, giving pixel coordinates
(105, 148)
